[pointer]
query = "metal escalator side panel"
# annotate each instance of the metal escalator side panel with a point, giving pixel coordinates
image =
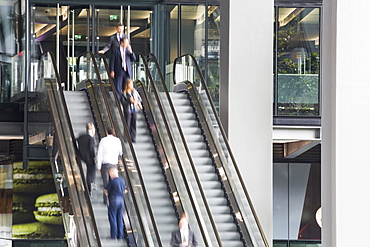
(144, 230)
(100, 111)
(189, 195)
(82, 214)
(220, 149)
(165, 223)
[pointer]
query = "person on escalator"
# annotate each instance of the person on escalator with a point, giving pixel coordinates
(131, 102)
(115, 191)
(120, 65)
(114, 39)
(109, 155)
(86, 147)
(184, 236)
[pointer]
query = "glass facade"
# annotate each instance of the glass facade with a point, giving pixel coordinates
(297, 204)
(195, 29)
(189, 28)
(297, 61)
(6, 195)
(12, 38)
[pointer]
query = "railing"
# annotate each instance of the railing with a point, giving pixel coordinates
(186, 69)
(87, 234)
(144, 227)
(180, 163)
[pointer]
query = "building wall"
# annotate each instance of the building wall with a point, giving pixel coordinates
(250, 93)
(345, 123)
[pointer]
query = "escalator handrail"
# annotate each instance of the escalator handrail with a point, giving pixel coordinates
(78, 159)
(168, 174)
(127, 136)
(162, 153)
(153, 57)
(241, 181)
(111, 121)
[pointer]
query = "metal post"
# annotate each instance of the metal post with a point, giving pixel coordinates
(93, 34)
(73, 49)
(121, 16)
(27, 64)
(57, 37)
(68, 50)
(88, 29)
(206, 43)
(128, 21)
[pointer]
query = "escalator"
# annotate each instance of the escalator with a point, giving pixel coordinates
(188, 80)
(206, 171)
(190, 112)
(80, 114)
(177, 165)
(87, 225)
(152, 159)
(79, 223)
(160, 201)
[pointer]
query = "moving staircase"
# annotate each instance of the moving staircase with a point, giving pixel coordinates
(180, 163)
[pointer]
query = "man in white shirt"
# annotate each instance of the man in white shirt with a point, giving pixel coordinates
(109, 154)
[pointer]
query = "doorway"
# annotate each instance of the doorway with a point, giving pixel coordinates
(71, 30)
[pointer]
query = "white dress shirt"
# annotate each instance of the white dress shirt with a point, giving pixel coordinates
(123, 53)
(184, 235)
(109, 149)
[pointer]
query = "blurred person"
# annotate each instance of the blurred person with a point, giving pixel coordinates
(120, 65)
(115, 191)
(109, 154)
(184, 236)
(114, 39)
(86, 147)
(131, 102)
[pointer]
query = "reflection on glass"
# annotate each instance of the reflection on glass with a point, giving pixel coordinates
(213, 75)
(297, 198)
(172, 11)
(193, 40)
(298, 56)
(6, 194)
(187, 70)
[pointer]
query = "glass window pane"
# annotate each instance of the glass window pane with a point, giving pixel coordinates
(173, 13)
(298, 61)
(193, 33)
(213, 75)
(172, 16)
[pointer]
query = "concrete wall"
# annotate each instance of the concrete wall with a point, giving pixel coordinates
(345, 123)
(250, 93)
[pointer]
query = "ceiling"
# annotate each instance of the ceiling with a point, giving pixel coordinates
(45, 20)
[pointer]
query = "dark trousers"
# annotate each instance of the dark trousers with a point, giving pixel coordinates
(131, 125)
(120, 82)
(90, 175)
(105, 176)
(115, 216)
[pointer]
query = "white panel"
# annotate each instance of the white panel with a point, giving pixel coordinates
(298, 178)
(281, 199)
(296, 133)
(290, 186)
(250, 100)
(345, 123)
